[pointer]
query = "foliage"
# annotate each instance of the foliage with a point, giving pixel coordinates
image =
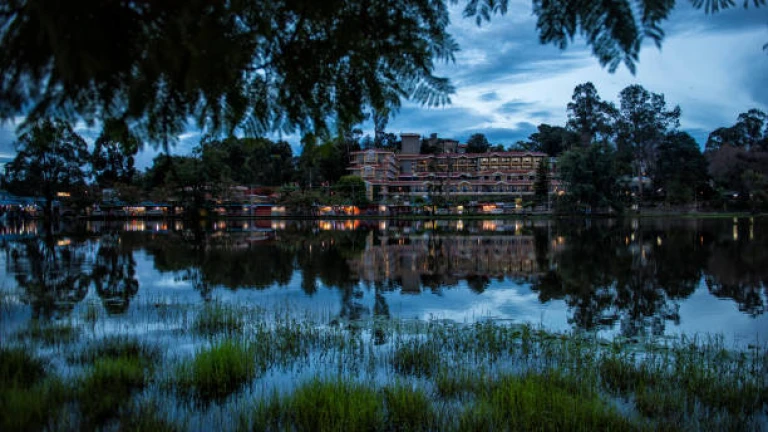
(351, 189)
(552, 140)
(477, 143)
(738, 157)
(588, 115)
(642, 124)
(228, 65)
(589, 176)
(113, 153)
(49, 159)
(541, 184)
(681, 168)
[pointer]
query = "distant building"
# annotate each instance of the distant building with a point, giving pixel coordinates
(410, 174)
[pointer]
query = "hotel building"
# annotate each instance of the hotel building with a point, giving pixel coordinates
(503, 175)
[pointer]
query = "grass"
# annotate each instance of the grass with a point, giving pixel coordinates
(416, 358)
(108, 386)
(29, 398)
(50, 334)
(19, 368)
(288, 372)
(117, 347)
(541, 402)
(216, 318)
(218, 371)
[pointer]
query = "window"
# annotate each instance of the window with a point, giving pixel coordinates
(370, 156)
(367, 171)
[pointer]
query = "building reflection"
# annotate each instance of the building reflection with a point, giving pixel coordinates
(444, 259)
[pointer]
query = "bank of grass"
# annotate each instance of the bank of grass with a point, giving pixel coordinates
(389, 375)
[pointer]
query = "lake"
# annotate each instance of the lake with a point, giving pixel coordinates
(633, 278)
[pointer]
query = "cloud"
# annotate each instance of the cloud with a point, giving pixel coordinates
(489, 97)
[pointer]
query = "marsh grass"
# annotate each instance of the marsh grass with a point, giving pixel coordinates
(541, 402)
(107, 386)
(29, 398)
(116, 348)
(218, 371)
(416, 357)
(50, 333)
(380, 375)
(216, 318)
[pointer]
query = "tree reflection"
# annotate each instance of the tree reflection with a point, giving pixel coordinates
(52, 273)
(737, 267)
(114, 274)
(629, 274)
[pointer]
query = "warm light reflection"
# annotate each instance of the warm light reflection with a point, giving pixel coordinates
(64, 242)
(489, 226)
(460, 225)
(735, 232)
(658, 241)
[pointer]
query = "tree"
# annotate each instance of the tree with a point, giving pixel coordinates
(49, 159)
(589, 176)
(551, 140)
(244, 64)
(747, 133)
(477, 143)
(588, 115)
(541, 185)
(681, 168)
(112, 157)
(351, 189)
(643, 123)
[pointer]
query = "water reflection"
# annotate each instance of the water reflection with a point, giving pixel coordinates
(632, 276)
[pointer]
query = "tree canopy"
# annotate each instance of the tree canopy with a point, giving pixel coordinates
(50, 158)
(268, 65)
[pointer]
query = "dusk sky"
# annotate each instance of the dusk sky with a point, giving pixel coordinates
(712, 66)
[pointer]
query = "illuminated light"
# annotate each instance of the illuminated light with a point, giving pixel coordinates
(382, 225)
(245, 226)
(63, 194)
(658, 241)
(632, 237)
(64, 242)
(626, 241)
(735, 232)
(460, 225)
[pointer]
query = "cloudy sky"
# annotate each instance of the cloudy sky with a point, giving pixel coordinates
(713, 66)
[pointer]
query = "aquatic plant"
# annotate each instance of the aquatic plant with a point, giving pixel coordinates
(108, 386)
(217, 318)
(218, 371)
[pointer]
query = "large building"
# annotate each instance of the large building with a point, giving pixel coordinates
(410, 174)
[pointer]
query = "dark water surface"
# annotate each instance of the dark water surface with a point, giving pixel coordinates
(633, 278)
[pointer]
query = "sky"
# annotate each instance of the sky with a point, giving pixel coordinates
(712, 66)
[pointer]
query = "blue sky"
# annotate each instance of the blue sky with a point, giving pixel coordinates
(713, 66)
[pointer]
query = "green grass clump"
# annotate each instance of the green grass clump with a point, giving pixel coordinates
(219, 371)
(32, 408)
(18, 368)
(416, 358)
(408, 409)
(622, 374)
(216, 318)
(118, 348)
(108, 386)
(334, 406)
(29, 398)
(541, 402)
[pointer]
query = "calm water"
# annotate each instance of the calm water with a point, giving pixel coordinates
(634, 278)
